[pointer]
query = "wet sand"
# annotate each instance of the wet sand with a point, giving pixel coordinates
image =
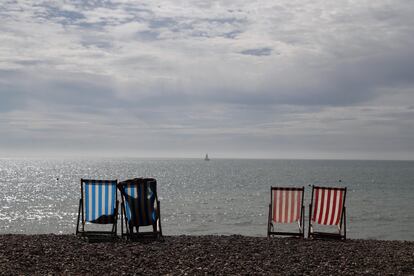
(200, 255)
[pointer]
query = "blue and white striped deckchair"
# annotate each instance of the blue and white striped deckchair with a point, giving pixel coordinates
(140, 206)
(98, 204)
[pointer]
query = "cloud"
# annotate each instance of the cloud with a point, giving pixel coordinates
(257, 52)
(275, 75)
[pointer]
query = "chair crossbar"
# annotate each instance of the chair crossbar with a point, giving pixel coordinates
(285, 233)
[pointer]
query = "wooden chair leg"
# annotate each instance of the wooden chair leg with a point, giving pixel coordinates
(268, 220)
(344, 223)
(159, 217)
(309, 224)
(303, 221)
(122, 220)
(79, 211)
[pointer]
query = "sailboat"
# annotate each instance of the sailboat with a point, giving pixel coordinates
(206, 158)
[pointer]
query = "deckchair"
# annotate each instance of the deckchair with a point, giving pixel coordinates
(286, 206)
(327, 208)
(98, 205)
(140, 207)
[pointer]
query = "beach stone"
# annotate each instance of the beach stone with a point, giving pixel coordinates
(203, 255)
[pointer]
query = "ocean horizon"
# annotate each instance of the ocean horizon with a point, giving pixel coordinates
(218, 197)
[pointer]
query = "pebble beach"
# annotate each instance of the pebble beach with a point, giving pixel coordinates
(203, 255)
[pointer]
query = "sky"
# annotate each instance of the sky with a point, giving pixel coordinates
(235, 79)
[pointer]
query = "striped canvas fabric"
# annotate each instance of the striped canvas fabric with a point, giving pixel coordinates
(287, 203)
(140, 196)
(328, 205)
(99, 200)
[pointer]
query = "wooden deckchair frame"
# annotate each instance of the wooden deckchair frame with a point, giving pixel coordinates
(128, 232)
(81, 215)
(341, 235)
(271, 225)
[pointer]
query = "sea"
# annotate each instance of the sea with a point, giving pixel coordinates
(216, 197)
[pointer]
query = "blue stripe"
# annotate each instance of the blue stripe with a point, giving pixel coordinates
(107, 200)
(99, 211)
(113, 198)
(127, 203)
(124, 191)
(152, 199)
(93, 200)
(145, 201)
(137, 207)
(132, 215)
(140, 198)
(85, 186)
(92, 212)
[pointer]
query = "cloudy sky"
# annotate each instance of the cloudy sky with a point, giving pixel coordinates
(254, 79)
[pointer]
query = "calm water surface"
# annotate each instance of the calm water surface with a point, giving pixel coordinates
(215, 197)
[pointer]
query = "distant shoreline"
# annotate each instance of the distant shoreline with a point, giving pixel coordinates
(225, 255)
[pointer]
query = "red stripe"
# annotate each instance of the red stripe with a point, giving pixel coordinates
(322, 203)
(292, 206)
(331, 221)
(325, 221)
(286, 206)
(315, 203)
(280, 204)
(340, 208)
(281, 201)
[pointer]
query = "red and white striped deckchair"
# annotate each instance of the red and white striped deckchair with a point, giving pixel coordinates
(286, 206)
(327, 208)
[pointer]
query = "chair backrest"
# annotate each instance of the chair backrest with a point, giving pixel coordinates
(99, 200)
(327, 204)
(139, 197)
(286, 204)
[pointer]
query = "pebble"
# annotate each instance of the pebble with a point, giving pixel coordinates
(203, 255)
